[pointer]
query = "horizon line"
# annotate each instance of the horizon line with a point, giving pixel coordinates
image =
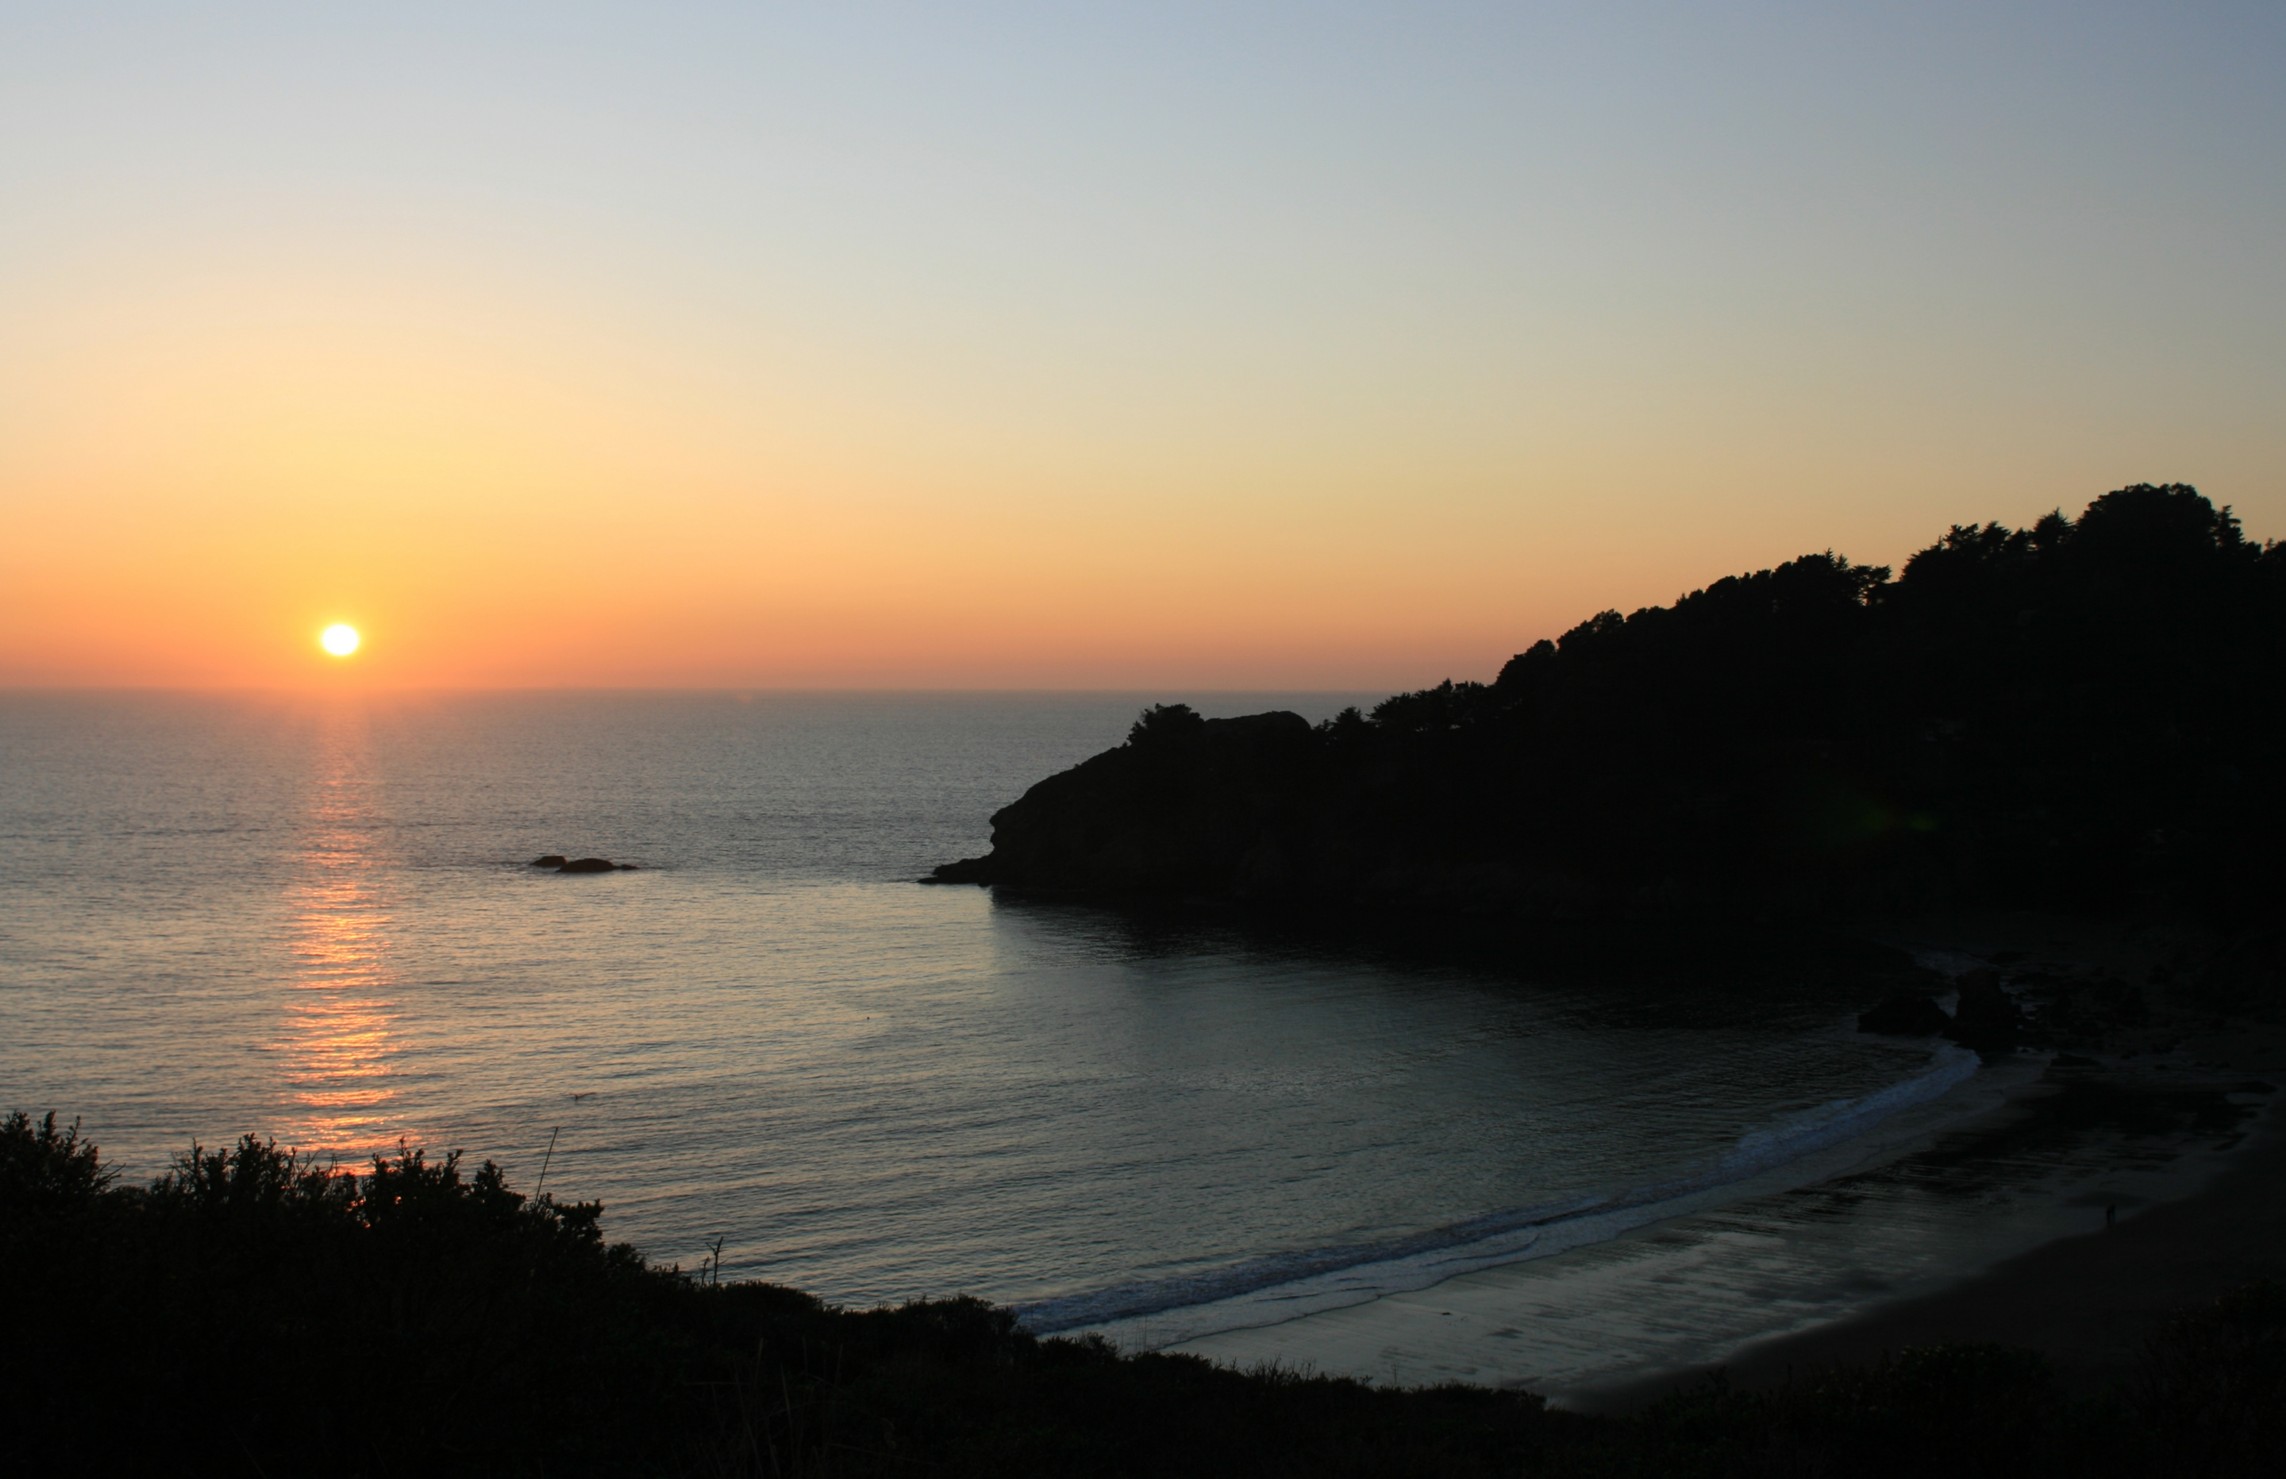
(733, 689)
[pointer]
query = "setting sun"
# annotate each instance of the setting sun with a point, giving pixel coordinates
(339, 639)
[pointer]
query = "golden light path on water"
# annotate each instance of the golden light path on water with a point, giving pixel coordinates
(340, 1035)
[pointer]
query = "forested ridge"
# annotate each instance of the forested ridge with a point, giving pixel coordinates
(2083, 713)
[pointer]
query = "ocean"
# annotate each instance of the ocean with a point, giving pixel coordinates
(315, 920)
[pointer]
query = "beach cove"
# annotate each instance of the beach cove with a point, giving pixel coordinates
(2050, 1202)
(780, 1064)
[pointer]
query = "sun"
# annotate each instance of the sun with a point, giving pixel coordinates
(340, 639)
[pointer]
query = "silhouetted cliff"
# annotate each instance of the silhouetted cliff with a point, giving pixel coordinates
(2079, 714)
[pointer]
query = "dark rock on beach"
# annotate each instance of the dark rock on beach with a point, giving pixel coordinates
(1987, 1017)
(1907, 1014)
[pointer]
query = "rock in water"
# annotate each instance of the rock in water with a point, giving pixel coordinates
(588, 865)
(552, 860)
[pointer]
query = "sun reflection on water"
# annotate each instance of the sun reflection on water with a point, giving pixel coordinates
(341, 1042)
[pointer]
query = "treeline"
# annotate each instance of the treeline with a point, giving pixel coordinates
(2081, 714)
(253, 1313)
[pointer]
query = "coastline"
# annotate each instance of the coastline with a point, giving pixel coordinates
(1805, 1149)
(1976, 1225)
(1733, 1284)
(2086, 1303)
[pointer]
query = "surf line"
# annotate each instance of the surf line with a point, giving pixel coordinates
(1281, 1286)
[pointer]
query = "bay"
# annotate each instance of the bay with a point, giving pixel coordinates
(314, 919)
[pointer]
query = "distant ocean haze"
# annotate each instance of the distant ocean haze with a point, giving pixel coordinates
(316, 920)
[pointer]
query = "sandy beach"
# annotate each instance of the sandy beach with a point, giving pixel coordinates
(2086, 1303)
(2079, 1259)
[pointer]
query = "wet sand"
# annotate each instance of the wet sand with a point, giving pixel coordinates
(1995, 1231)
(2087, 1303)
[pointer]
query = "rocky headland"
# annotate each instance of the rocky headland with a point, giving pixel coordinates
(2080, 716)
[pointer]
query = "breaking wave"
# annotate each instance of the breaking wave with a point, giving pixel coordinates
(1282, 1285)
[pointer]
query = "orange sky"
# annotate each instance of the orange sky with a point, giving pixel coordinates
(749, 357)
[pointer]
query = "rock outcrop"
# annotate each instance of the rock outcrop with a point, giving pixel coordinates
(1907, 1014)
(1987, 1017)
(557, 863)
(1188, 805)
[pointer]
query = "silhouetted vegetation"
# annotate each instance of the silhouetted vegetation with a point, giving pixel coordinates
(1164, 724)
(251, 1312)
(2082, 714)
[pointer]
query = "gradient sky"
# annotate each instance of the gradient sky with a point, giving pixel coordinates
(1216, 345)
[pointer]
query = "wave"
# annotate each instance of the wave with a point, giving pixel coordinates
(1282, 1285)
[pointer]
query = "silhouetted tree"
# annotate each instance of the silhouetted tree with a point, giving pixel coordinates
(1162, 723)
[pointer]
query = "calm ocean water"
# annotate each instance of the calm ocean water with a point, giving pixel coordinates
(313, 920)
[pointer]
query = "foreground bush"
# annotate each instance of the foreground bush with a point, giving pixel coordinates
(253, 1313)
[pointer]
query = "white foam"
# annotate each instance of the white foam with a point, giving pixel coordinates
(1803, 1148)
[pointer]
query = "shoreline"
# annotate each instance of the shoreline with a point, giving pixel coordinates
(1737, 1288)
(1828, 1144)
(1871, 1257)
(2086, 1303)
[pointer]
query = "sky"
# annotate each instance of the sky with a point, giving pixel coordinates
(1231, 345)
